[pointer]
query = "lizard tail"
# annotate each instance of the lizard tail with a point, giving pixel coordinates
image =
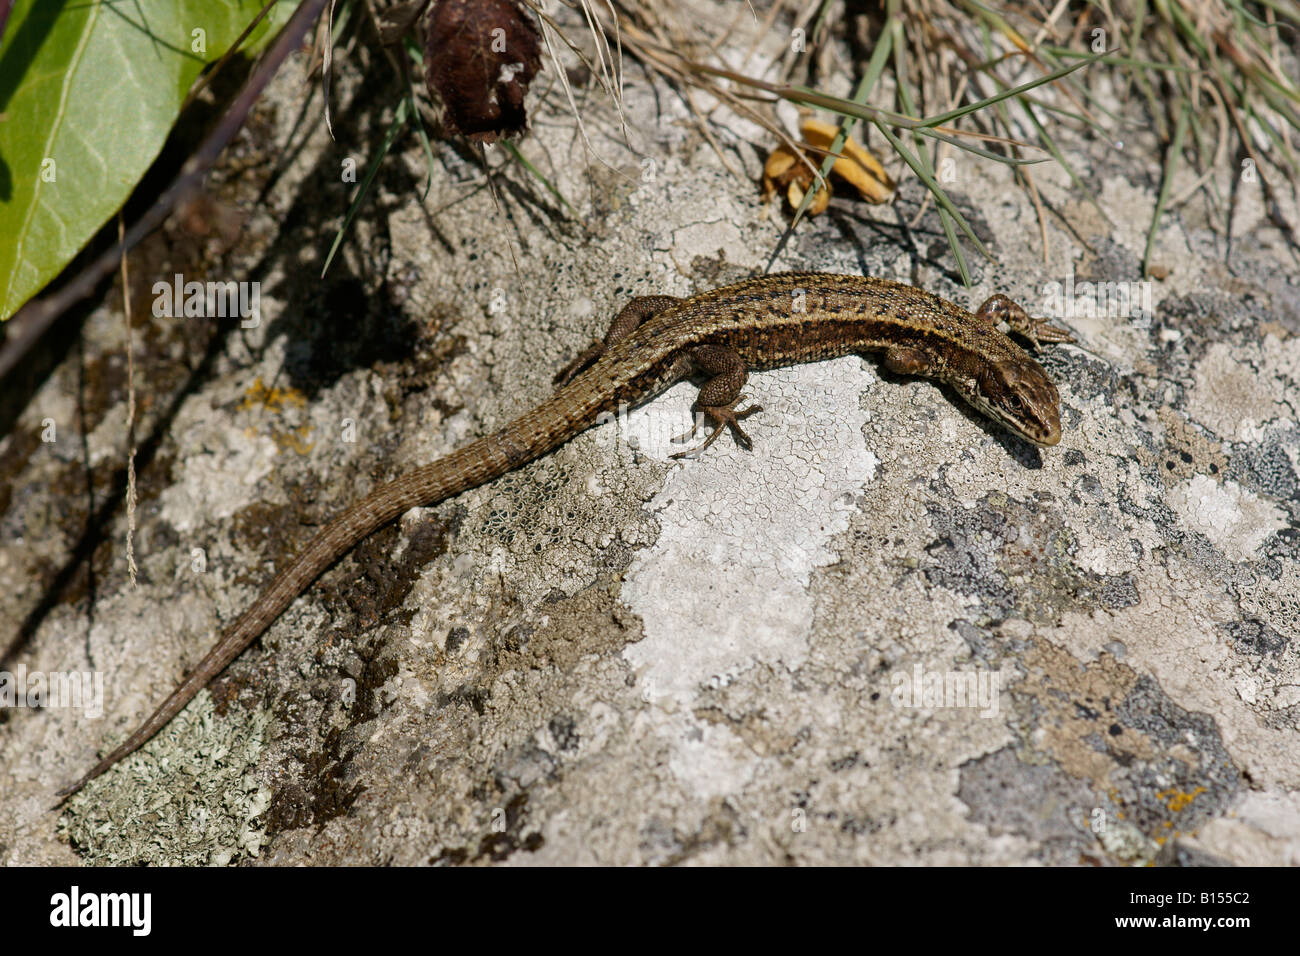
(468, 467)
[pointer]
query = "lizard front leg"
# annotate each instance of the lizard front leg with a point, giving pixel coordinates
(999, 308)
(719, 396)
(629, 319)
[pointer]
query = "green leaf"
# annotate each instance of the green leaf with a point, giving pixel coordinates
(89, 90)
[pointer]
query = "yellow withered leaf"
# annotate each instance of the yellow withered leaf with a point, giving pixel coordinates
(855, 165)
(785, 169)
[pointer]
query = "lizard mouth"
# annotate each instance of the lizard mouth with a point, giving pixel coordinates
(1044, 432)
(1048, 436)
(1023, 400)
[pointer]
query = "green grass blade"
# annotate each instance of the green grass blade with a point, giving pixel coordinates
(1006, 94)
(522, 160)
(1171, 166)
(939, 195)
(874, 68)
(957, 143)
(399, 120)
(1115, 60)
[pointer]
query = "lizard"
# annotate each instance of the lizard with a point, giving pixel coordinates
(715, 338)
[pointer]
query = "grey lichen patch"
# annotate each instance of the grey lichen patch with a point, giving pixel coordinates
(189, 798)
(1016, 557)
(1150, 763)
(1254, 638)
(1268, 470)
(1190, 780)
(1037, 801)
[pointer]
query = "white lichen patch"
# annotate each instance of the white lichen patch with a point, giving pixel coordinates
(1275, 602)
(1263, 830)
(1230, 397)
(208, 480)
(741, 535)
(1125, 841)
(1235, 520)
(710, 757)
(708, 238)
(188, 799)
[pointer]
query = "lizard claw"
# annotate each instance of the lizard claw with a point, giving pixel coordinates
(999, 308)
(1039, 331)
(727, 417)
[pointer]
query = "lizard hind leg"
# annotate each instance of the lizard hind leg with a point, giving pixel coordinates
(1000, 308)
(719, 396)
(629, 319)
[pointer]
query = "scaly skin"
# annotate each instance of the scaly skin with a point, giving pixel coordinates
(656, 341)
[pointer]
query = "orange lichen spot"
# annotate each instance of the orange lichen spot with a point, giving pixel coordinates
(291, 439)
(260, 395)
(295, 439)
(1177, 800)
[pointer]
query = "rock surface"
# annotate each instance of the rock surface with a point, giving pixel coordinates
(890, 634)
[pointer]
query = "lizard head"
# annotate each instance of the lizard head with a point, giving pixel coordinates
(1017, 392)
